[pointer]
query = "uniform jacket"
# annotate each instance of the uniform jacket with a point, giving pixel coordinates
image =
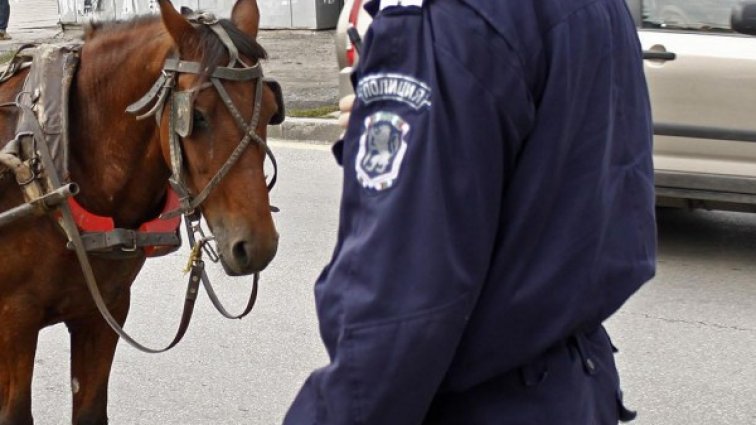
(498, 205)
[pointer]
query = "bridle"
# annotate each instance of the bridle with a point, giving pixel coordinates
(181, 112)
(180, 126)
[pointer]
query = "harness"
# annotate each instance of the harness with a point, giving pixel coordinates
(38, 157)
(39, 152)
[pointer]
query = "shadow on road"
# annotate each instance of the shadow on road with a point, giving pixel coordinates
(707, 233)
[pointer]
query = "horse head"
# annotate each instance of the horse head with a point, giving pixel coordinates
(211, 109)
(213, 116)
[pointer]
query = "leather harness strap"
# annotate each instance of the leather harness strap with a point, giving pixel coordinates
(68, 225)
(126, 240)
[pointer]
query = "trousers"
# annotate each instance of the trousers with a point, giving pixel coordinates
(4, 14)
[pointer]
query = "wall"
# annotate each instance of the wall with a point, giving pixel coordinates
(306, 14)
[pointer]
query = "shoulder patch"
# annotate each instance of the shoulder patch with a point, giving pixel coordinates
(382, 148)
(397, 87)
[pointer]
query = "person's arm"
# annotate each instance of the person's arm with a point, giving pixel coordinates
(423, 184)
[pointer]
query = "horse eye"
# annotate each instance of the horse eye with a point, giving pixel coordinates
(199, 120)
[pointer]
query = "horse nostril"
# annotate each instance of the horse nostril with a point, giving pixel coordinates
(248, 255)
(241, 253)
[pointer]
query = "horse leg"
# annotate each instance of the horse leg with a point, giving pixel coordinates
(18, 344)
(93, 345)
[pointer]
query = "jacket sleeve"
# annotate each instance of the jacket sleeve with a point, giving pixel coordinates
(423, 180)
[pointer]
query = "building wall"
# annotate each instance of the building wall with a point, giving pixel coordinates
(309, 14)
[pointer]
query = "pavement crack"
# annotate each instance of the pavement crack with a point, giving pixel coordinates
(694, 322)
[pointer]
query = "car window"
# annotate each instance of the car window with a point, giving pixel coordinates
(689, 15)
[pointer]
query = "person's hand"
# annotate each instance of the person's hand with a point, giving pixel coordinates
(345, 107)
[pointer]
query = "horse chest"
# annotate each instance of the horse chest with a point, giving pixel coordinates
(46, 276)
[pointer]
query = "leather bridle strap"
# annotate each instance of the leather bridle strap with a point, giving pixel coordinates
(188, 203)
(220, 72)
(198, 269)
(233, 52)
(162, 86)
(248, 136)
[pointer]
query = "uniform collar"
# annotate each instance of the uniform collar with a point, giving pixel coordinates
(374, 6)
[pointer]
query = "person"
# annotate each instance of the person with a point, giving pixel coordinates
(4, 17)
(497, 207)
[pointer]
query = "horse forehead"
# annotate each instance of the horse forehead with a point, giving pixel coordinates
(187, 80)
(240, 93)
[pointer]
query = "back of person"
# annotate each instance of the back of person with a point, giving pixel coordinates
(577, 229)
(473, 270)
(577, 233)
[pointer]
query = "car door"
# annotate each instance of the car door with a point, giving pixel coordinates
(702, 80)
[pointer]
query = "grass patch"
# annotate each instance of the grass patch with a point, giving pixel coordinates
(6, 56)
(318, 112)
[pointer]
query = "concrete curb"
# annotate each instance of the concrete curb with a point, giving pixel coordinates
(306, 129)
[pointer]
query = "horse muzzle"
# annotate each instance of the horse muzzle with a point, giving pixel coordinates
(243, 255)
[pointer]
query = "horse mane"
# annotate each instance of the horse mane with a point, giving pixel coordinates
(215, 50)
(211, 47)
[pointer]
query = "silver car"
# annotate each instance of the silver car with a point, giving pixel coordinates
(702, 79)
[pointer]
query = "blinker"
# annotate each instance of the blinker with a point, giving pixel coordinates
(274, 86)
(183, 112)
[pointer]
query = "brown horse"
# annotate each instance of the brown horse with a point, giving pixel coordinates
(122, 166)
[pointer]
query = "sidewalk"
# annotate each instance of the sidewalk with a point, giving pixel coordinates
(30, 19)
(303, 61)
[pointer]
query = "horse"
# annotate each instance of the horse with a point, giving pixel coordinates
(122, 167)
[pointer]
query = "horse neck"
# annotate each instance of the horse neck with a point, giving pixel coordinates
(115, 159)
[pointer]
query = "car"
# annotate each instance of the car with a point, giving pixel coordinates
(699, 14)
(702, 80)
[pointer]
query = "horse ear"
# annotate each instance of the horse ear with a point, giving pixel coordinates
(90, 28)
(178, 27)
(246, 16)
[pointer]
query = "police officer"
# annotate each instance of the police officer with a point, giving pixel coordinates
(498, 206)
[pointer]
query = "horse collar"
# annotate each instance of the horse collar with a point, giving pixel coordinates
(155, 237)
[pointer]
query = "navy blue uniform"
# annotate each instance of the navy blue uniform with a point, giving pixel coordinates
(498, 205)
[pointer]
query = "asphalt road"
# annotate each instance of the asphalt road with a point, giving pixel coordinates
(687, 340)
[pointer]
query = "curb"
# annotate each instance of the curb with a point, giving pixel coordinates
(322, 130)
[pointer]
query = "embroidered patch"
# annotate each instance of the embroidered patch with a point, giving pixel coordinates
(382, 148)
(398, 87)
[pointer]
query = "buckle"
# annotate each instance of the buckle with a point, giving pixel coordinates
(203, 17)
